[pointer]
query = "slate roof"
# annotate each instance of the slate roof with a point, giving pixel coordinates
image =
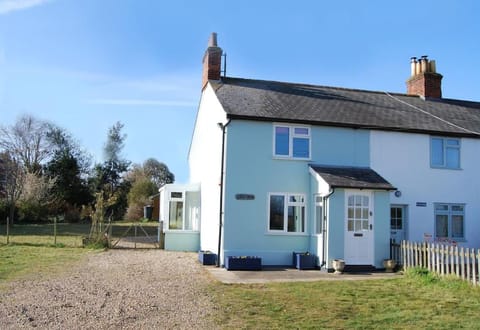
(352, 177)
(332, 106)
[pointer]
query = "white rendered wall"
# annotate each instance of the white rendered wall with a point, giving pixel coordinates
(404, 160)
(204, 162)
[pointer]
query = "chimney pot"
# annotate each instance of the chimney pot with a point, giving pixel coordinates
(212, 41)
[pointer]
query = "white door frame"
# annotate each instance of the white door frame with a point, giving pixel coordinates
(359, 227)
(404, 208)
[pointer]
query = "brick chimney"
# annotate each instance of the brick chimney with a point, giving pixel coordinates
(212, 61)
(424, 80)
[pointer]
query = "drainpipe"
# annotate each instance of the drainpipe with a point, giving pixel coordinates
(220, 214)
(324, 229)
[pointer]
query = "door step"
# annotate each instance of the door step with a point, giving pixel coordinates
(359, 268)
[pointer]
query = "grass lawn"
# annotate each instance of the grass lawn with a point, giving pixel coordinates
(410, 302)
(32, 252)
(31, 249)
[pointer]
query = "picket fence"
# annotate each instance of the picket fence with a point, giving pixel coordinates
(443, 259)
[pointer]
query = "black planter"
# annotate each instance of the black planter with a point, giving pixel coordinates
(304, 261)
(207, 257)
(243, 263)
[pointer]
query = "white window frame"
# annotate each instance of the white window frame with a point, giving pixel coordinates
(291, 137)
(449, 213)
(446, 146)
(183, 199)
(318, 202)
(287, 203)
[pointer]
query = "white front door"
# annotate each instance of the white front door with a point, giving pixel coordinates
(359, 228)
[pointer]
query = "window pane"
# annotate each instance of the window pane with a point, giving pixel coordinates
(453, 158)
(437, 152)
(441, 226)
(364, 213)
(277, 207)
(365, 224)
(350, 200)
(358, 213)
(176, 215)
(282, 141)
(350, 225)
(365, 201)
(296, 218)
(301, 148)
(358, 225)
(176, 194)
(300, 131)
(453, 142)
(441, 207)
(457, 226)
(318, 219)
(457, 208)
(350, 213)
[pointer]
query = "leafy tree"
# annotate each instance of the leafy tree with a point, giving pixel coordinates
(145, 179)
(158, 172)
(108, 177)
(69, 167)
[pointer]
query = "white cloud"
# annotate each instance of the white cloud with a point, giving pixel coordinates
(7, 6)
(143, 102)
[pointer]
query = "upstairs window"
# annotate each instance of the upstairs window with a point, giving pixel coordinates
(445, 153)
(292, 141)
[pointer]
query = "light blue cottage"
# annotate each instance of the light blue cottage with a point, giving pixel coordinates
(281, 167)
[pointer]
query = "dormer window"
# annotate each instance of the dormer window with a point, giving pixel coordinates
(291, 141)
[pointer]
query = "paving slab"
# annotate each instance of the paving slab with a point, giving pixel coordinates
(275, 274)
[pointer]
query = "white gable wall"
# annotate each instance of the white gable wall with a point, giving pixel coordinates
(204, 162)
(404, 160)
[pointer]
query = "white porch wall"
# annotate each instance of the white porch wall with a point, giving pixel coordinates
(404, 160)
(204, 163)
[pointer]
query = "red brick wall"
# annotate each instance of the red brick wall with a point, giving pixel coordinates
(426, 84)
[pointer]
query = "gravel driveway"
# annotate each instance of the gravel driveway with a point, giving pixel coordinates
(115, 289)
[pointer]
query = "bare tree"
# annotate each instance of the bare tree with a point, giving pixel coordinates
(13, 177)
(27, 142)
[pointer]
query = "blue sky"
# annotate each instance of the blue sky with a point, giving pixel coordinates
(86, 64)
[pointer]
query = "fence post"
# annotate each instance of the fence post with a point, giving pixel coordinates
(478, 262)
(474, 270)
(462, 263)
(457, 261)
(467, 254)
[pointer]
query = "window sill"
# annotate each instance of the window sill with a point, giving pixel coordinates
(445, 168)
(291, 158)
(181, 231)
(284, 233)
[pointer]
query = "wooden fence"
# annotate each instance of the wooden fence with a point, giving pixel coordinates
(443, 259)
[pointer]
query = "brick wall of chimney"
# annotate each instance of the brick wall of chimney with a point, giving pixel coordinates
(212, 61)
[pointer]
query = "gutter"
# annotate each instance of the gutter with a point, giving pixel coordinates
(324, 229)
(222, 170)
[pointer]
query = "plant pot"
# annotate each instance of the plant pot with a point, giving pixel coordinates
(389, 265)
(207, 257)
(243, 263)
(338, 265)
(304, 261)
